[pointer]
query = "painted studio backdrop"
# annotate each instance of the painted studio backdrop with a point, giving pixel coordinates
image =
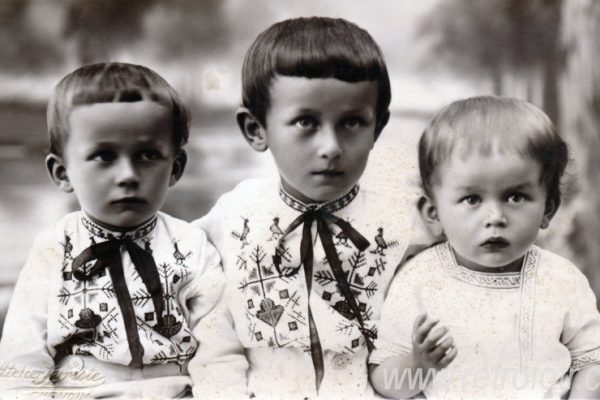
(544, 51)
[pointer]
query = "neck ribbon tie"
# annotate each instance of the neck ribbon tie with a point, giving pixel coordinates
(108, 255)
(306, 259)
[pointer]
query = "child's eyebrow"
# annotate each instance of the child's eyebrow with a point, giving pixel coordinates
(307, 110)
(467, 188)
(103, 144)
(360, 110)
(521, 186)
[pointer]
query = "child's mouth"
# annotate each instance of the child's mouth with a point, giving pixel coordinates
(495, 244)
(328, 172)
(129, 200)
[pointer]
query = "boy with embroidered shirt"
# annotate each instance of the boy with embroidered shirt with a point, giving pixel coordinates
(111, 291)
(487, 314)
(308, 257)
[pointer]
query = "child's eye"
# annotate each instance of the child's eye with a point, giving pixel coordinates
(353, 123)
(306, 123)
(103, 156)
(471, 200)
(516, 198)
(150, 155)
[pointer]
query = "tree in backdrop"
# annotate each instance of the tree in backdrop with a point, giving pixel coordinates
(169, 29)
(513, 43)
(23, 48)
(580, 123)
(98, 27)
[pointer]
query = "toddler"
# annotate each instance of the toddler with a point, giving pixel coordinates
(487, 314)
(109, 293)
(307, 257)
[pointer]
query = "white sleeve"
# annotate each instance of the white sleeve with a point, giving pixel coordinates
(581, 329)
(205, 288)
(212, 224)
(400, 309)
(26, 359)
(219, 368)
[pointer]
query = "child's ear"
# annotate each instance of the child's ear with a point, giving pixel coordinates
(179, 162)
(430, 216)
(549, 212)
(252, 129)
(385, 118)
(58, 172)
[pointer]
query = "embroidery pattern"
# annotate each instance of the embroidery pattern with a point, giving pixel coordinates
(510, 280)
(91, 321)
(67, 246)
(331, 206)
(585, 360)
(382, 244)
(266, 303)
(102, 233)
(241, 236)
(527, 305)
(275, 306)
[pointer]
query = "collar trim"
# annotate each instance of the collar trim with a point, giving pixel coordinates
(104, 233)
(506, 280)
(330, 206)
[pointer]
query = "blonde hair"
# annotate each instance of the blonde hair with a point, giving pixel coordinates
(490, 123)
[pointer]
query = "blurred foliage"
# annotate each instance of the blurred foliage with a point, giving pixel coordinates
(22, 47)
(100, 26)
(95, 30)
(488, 38)
(171, 28)
(188, 26)
(580, 122)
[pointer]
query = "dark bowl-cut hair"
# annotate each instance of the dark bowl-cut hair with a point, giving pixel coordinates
(486, 124)
(313, 47)
(112, 82)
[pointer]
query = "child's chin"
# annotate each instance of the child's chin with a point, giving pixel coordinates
(124, 223)
(327, 194)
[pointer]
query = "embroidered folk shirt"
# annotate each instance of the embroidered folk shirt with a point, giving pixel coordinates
(258, 340)
(54, 314)
(518, 334)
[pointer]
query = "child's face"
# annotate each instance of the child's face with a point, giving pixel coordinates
(320, 132)
(490, 207)
(119, 160)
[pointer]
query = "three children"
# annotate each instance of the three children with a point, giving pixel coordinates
(307, 258)
(124, 290)
(487, 314)
(111, 291)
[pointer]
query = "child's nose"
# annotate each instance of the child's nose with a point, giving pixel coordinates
(329, 144)
(495, 216)
(127, 174)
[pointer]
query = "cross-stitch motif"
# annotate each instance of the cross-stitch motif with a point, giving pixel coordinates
(276, 304)
(241, 236)
(91, 320)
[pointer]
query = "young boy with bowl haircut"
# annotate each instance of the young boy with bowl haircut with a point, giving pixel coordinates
(308, 257)
(109, 293)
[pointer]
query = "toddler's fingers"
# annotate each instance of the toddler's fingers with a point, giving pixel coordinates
(433, 337)
(419, 321)
(441, 349)
(448, 358)
(424, 329)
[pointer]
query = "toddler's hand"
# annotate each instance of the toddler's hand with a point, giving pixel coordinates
(427, 352)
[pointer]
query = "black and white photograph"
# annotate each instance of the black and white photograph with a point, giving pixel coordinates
(326, 199)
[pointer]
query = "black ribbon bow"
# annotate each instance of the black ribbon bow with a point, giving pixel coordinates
(108, 255)
(306, 258)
